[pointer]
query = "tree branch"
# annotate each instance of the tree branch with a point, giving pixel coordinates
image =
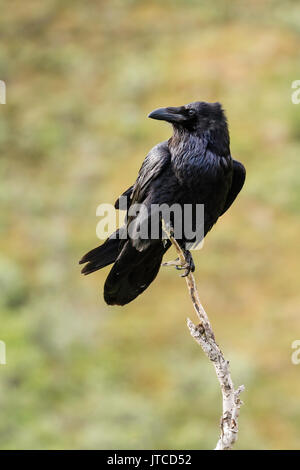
(203, 334)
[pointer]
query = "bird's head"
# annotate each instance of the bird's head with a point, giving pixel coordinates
(194, 117)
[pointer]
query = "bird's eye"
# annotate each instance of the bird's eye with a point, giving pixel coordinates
(191, 112)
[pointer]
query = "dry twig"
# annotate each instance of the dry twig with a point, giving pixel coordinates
(204, 336)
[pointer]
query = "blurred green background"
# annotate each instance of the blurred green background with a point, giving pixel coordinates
(81, 78)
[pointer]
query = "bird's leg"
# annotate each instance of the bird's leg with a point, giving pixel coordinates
(183, 262)
(187, 264)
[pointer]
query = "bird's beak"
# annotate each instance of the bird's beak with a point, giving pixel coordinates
(173, 115)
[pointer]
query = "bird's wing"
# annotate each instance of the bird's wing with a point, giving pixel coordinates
(124, 198)
(154, 164)
(238, 179)
(150, 176)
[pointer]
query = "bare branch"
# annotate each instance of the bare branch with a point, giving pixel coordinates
(203, 334)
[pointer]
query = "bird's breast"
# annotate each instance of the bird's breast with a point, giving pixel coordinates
(204, 182)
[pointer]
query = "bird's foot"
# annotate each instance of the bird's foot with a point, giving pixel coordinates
(188, 265)
(175, 263)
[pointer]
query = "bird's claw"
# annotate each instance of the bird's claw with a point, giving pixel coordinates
(188, 266)
(186, 272)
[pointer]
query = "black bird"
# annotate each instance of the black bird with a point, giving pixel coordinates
(193, 167)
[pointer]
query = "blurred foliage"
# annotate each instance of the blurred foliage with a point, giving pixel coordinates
(81, 78)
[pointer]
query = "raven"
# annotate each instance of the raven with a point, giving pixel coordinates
(193, 167)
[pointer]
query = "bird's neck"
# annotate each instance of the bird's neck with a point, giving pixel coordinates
(186, 145)
(218, 140)
(191, 153)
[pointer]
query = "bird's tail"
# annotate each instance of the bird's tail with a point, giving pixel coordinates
(101, 256)
(132, 273)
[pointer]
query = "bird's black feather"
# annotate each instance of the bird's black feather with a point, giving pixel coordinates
(193, 167)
